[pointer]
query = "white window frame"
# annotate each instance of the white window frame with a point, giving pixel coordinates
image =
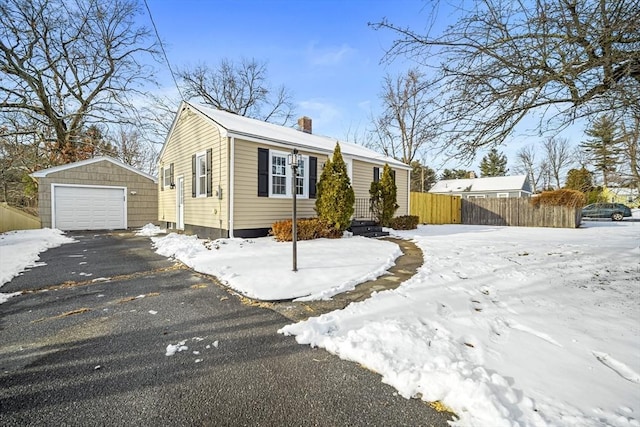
(476, 196)
(288, 174)
(502, 195)
(201, 191)
(349, 162)
(166, 173)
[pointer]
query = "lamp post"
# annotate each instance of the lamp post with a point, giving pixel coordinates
(294, 160)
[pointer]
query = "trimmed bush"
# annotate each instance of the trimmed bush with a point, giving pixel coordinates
(405, 222)
(563, 197)
(308, 229)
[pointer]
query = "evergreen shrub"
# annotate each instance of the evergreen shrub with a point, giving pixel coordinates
(383, 197)
(335, 196)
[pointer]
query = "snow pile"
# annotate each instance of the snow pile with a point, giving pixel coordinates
(262, 268)
(150, 230)
(19, 250)
(176, 348)
(506, 325)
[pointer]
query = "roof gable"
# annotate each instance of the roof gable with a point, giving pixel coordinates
(244, 127)
(495, 183)
(45, 172)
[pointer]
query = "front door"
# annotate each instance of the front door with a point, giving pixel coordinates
(180, 203)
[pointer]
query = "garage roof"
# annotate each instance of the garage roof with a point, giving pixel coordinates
(44, 172)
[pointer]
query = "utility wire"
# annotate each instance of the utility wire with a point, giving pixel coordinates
(166, 58)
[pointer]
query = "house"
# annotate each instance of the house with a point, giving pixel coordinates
(101, 193)
(496, 186)
(225, 175)
(626, 196)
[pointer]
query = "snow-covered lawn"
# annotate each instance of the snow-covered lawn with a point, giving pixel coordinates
(505, 325)
(262, 268)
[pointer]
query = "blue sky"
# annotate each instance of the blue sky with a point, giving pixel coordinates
(322, 50)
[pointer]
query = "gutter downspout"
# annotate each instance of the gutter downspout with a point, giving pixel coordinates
(409, 192)
(232, 157)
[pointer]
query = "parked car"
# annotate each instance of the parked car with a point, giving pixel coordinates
(615, 211)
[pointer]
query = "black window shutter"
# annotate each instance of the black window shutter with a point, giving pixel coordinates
(209, 174)
(193, 176)
(161, 178)
(313, 176)
(263, 172)
(171, 181)
(376, 174)
(393, 175)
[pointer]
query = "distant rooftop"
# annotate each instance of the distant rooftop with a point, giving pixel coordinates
(494, 183)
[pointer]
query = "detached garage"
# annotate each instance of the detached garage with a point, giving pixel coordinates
(96, 194)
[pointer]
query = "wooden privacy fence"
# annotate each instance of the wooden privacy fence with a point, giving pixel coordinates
(436, 208)
(518, 212)
(14, 219)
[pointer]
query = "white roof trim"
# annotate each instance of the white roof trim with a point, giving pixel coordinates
(254, 130)
(44, 172)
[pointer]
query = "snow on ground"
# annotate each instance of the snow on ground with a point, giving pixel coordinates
(150, 230)
(262, 268)
(507, 326)
(19, 250)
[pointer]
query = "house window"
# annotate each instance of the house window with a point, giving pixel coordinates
(280, 176)
(477, 196)
(502, 195)
(300, 187)
(166, 171)
(201, 175)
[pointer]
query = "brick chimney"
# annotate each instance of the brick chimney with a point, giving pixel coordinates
(472, 174)
(304, 124)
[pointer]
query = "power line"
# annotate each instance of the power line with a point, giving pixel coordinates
(166, 58)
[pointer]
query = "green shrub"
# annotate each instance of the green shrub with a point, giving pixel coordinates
(383, 197)
(335, 196)
(308, 229)
(405, 222)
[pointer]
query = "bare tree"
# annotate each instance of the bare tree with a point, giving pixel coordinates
(505, 59)
(134, 151)
(240, 88)
(630, 142)
(68, 64)
(558, 157)
(403, 129)
(528, 165)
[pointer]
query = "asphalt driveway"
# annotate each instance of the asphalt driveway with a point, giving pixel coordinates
(87, 343)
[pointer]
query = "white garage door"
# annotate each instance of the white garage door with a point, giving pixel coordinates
(89, 208)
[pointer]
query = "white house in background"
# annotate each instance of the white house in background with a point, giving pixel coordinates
(480, 188)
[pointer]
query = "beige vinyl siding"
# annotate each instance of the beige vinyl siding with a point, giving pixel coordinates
(192, 135)
(140, 206)
(252, 211)
(402, 194)
(363, 176)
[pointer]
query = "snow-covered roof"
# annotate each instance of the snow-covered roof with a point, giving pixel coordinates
(240, 126)
(494, 183)
(44, 172)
